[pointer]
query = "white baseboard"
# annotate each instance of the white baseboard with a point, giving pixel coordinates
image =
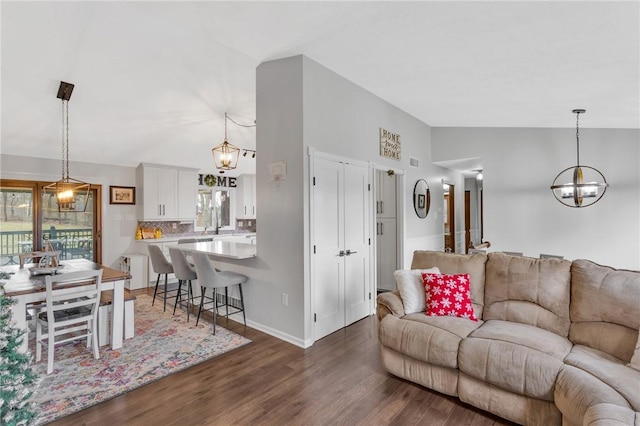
(272, 332)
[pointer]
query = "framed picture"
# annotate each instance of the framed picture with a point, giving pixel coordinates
(421, 199)
(122, 195)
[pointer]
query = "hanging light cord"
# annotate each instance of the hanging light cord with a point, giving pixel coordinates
(238, 124)
(65, 139)
(577, 138)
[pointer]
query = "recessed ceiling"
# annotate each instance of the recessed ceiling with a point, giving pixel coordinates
(154, 79)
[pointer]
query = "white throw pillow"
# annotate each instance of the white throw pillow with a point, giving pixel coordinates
(411, 288)
(635, 359)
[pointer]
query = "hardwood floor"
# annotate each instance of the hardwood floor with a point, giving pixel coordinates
(338, 381)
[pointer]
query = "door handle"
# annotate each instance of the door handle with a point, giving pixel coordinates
(341, 253)
(349, 252)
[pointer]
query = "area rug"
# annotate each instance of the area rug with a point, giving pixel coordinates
(163, 344)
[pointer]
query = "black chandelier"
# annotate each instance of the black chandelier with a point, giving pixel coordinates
(585, 185)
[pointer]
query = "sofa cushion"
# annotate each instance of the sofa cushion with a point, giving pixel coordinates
(516, 357)
(411, 287)
(609, 370)
(434, 340)
(448, 294)
(605, 308)
(610, 415)
(576, 391)
(452, 263)
(389, 302)
(528, 291)
(635, 359)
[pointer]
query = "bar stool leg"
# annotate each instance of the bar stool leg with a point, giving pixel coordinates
(156, 290)
(178, 296)
(215, 311)
(226, 302)
(202, 290)
(242, 303)
(166, 279)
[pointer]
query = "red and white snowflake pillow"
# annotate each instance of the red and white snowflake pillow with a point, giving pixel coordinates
(448, 295)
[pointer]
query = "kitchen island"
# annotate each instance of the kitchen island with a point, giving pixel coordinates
(226, 249)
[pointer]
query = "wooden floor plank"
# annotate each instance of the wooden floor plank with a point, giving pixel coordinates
(338, 381)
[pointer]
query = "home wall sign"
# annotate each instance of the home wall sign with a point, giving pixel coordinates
(212, 180)
(390, 145)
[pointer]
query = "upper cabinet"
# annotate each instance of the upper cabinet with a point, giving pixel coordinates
(246, 197)
(385, 194)
(167, 193)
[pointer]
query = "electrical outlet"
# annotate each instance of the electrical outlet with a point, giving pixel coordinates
(285, 299)
(174, 225)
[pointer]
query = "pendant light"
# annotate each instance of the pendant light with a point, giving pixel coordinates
(585, 185)
(225, 155)
(71, 195)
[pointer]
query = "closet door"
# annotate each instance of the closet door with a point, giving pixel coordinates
(328, 226)
(341, 229)
(356, 242)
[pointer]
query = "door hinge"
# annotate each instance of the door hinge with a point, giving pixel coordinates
(369, 187)
(369, 295)
(314, 249)
(314, 181)
(369, 241)
(314, 318)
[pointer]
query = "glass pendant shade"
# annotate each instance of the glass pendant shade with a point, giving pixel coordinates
(71, 195)
(579, 186)
(225, 156)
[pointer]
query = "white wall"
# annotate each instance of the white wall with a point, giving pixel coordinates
(118, 222)
(521, 213)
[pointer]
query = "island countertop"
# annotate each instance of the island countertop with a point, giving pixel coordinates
(226, 249)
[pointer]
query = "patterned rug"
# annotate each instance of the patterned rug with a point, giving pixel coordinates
(163, 345)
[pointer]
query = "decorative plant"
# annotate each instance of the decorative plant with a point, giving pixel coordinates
(17, 378)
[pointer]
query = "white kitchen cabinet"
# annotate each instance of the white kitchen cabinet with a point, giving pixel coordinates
(386, 259)
(136, 266)
(246, 197)
(386, 230)
(166, 192)
(385, 194)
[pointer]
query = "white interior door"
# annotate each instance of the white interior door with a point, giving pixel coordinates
(328, 225)
(356, 242)
(341, 229)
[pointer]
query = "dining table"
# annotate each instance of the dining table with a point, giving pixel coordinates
(24, 287)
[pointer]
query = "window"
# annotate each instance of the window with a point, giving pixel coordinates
(216, 207)
(28, 219)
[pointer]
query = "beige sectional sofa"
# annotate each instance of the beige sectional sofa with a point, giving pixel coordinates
(555, 343)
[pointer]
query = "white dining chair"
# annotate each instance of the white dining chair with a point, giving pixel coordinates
(71, 312)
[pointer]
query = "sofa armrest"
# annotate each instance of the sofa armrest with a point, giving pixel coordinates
(389, 303)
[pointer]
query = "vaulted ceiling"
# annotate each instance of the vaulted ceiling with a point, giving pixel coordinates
(154, 79)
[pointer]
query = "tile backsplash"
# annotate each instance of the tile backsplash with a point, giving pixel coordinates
(247, 225)
(168, 227)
